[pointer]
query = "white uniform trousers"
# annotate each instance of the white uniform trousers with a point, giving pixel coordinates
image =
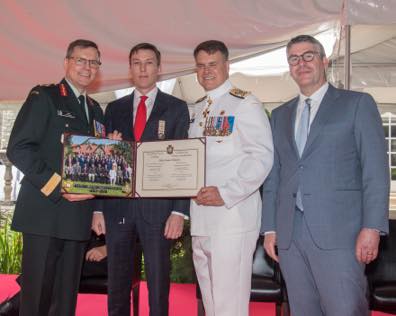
(223, 264)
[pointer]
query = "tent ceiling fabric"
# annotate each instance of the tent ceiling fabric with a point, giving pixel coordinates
(373, 57)
(34, 34)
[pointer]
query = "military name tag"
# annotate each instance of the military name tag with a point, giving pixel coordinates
(219, 125)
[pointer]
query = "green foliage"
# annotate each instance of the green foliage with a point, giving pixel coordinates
(124, 149)
(182, 270)
(10, 249)
(11, 253)
(181, 258)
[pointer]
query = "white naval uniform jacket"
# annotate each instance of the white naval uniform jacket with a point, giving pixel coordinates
(237, 164)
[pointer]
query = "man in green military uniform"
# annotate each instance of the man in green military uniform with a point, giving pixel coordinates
(55, 227)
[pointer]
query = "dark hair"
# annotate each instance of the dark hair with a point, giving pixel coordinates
(211, 47)
(309, 39)
(148, 46)
(80, 43)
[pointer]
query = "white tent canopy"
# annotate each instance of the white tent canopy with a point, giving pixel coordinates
(34, 34)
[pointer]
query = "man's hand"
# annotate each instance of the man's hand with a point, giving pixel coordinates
(269, 245)
(115, 135)
(174, 226)
(96, 254)
(98, 223)
(367, 245)
(77, 197)
(209, 196)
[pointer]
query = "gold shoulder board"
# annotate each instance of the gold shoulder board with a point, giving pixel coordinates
(239, 93)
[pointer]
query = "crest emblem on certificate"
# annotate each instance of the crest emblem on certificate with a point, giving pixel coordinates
(169, 150)
(161, 129)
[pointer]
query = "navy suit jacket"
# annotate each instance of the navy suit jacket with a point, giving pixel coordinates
(119, 116)
(343, 172)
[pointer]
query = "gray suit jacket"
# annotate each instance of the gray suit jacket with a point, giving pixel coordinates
(343, 173)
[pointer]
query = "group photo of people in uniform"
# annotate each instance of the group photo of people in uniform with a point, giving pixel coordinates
(311, 177)
(103, 168)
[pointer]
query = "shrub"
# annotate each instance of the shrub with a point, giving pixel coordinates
(10, 249)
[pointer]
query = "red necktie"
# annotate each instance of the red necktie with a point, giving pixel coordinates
(141, 118)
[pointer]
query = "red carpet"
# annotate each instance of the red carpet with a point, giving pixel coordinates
(182, 301)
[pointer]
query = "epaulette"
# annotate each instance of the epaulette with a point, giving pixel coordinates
(239, 93)
(36, 89)
(201, 99)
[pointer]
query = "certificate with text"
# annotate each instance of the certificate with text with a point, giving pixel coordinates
(126, 169)
(171, 168)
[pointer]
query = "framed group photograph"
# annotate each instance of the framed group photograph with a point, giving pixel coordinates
(118, 168)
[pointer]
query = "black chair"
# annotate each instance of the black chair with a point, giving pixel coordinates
(96, 283)
(381, 274)
(267, 283)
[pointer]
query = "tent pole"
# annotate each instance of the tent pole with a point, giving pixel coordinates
(347, 57)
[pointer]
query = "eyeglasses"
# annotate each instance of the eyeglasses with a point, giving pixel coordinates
(308, 56)
(79, 61)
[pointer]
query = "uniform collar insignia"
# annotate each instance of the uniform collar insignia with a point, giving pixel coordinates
(62, 90)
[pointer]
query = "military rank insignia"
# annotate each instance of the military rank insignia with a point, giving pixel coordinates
(239, 93)
(99, 129)
(219, 125)
(62, 90)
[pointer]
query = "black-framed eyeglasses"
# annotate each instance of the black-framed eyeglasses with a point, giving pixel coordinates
(93, 63)
(308, 56)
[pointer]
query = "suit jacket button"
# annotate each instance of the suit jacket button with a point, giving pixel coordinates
(294, 195)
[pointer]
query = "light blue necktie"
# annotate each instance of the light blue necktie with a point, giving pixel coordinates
(301, 139)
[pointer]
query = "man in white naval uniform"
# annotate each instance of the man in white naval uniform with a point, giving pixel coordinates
(225, 216)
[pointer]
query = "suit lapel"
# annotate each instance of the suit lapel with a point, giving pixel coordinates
(321, 118)
(71, 102)
(290, 121)
(91, 111)
(127, 123)
(151, 130)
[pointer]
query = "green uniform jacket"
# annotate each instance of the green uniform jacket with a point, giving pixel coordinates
(35, 148)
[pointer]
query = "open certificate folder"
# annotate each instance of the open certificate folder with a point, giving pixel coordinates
(101, 166)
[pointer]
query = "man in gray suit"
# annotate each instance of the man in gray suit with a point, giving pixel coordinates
(325, 202)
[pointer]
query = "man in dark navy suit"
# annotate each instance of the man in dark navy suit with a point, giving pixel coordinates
(147, 114)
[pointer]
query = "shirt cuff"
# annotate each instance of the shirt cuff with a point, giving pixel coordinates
(269, 232)
(180, 214)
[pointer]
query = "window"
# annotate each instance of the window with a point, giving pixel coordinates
(389, 123)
